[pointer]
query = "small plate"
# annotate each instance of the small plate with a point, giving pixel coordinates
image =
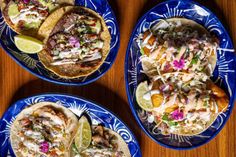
(98, 115)
(224, 74)
(32, 64)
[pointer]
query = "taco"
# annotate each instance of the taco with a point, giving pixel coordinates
(177, 44)
(26, 16)
(185, 104)
(77, 41)
(43, 129)
(104, 142)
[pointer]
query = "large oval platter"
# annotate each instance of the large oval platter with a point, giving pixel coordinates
(224, 74)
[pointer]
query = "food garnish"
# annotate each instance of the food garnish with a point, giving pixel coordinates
(83, 136)
(144, 97)
(97, 140)
(28, 44)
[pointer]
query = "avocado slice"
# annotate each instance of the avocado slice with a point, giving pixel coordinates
(97, 28)
(32, 25)
(50, 5)
(13, 10)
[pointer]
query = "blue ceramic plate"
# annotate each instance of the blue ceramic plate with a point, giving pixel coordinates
(224, 74)
(78, 106)
(32, 63)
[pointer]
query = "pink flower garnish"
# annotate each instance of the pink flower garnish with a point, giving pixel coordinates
(177, 115)
(74, 42)
(77, 45)
(44, 147)
(26, 1)
(179, 64)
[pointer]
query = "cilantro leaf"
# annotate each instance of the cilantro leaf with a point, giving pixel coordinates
(171, 123)
(165, 117)
(195, 60)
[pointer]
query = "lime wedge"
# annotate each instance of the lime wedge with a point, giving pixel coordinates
(83, 136)
(145, 104)
(28, 44)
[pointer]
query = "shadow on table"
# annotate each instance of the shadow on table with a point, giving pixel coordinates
(94, 92)
(114, 6)
(1, 74)
(149, 4)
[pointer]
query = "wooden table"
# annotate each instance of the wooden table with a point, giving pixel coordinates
(17, 83)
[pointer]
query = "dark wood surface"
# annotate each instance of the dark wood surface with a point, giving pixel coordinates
(17, 83)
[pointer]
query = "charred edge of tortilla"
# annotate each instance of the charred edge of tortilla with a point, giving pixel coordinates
(71, 71)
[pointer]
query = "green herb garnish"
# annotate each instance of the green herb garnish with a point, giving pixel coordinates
(179, 48)
(171, 123)
(142, 51)
(74, 148)
(89, 30)
(205, 104)
(165, 117)
(195, 60)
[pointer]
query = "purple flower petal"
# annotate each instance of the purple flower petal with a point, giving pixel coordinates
(77, 45)
(44, 147)
(177, 115)
(26, 1)
(179, 64)
(73, 41)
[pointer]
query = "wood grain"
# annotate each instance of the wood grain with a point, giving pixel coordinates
(16, 83)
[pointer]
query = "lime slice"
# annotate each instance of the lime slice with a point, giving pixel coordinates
(145, 104)
(28, 44)
(83, 136)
